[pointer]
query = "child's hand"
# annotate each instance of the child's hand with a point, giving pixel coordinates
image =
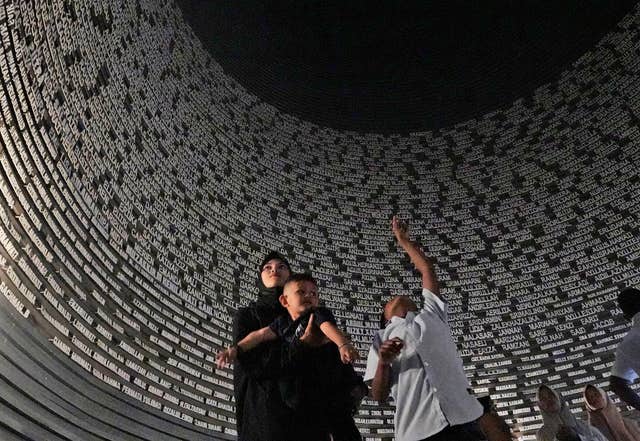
(390, 349)
(348, 353)
(226, 357)
(400, 229)
(312, 335)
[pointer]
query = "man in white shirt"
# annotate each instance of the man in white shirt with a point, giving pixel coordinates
(415, 361)
(626, 368)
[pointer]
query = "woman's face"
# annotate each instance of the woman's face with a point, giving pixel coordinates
(274, 273)
(594, 397)
(548, 400)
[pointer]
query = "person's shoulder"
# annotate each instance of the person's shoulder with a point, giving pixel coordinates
(322, 314)
(430, 296)
(632, 334)
(631, 340)
(434, 304)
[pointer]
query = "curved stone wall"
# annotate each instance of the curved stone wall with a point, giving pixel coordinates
(141, 187)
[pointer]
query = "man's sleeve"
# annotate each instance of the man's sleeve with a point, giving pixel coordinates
(434, 304)
(372, 359)
(625, 366)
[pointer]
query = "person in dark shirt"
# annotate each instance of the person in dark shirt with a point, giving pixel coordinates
(320, 385)
(261, 414)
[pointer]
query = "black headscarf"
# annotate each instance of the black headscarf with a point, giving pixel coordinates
(269, 297)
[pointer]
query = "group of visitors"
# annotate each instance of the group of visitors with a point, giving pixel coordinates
(604, 421)
(294, 379)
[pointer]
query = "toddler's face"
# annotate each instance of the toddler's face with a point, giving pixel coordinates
(299, 297)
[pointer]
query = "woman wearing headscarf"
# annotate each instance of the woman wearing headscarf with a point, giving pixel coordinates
(605, 416)
(556, 415)
(261, 414)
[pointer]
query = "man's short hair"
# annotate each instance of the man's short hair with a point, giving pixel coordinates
(301, 277)
(629, 301)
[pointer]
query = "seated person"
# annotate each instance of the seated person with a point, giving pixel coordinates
(605, 416)
(626, 368)
(556, 415)
(321, 386)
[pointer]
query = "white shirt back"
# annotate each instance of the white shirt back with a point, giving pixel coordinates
(428, 384)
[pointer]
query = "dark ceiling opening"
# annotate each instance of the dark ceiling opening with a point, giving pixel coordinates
(397, 67)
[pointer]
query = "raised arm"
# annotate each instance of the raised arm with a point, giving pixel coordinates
(422, 263)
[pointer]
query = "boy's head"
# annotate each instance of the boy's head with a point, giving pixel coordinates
(397, 307)
(300, 294)
(629, 302)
